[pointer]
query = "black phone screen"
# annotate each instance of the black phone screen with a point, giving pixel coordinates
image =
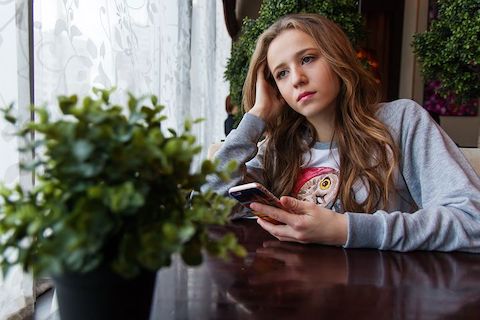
(248, 196)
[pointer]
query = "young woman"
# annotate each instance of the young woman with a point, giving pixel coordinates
(351, 171)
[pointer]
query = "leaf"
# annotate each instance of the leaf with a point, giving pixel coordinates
(158, 108)
(10, 119)
(82, 149)
(186, 232)
(172, 131)
(7, 113)
(187, 125)
(154, 100)
(95, 192)
(172, 147)
(66, 104)
(240, 251)
(132, 102)
(169, 232)
(31, 166)
(207, 167)
(124, 198)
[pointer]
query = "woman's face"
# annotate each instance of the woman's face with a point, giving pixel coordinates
(305, 79)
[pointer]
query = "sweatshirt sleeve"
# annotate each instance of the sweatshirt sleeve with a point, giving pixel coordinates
(440, 180)
(241, 146)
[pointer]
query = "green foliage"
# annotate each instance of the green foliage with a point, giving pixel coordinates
(113, 189)
(449, 51)
(343, 12)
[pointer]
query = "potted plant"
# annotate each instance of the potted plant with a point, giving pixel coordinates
(344, 13)
(114, 199)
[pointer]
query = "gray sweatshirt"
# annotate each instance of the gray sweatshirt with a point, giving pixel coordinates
(437, 201)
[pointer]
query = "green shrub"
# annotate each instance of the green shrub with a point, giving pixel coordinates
(450, 51)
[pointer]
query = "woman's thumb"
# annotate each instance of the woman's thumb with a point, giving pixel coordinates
(293, 205)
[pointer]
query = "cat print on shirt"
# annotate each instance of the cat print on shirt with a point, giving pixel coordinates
(318, 185)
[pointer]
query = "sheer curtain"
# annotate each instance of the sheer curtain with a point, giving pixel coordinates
(16, 289)
(174, 49)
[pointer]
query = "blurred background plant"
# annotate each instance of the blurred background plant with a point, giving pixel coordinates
(449, 54)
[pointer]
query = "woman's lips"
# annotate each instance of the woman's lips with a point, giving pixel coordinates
(305, 95)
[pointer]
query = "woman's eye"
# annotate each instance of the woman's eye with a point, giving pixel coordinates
(307, 59)
(282, 74)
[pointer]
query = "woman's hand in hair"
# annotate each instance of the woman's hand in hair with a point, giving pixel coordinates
(268, 101)
(304, 222)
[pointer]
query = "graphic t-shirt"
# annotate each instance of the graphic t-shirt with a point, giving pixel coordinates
(318, 185)
(318, 180)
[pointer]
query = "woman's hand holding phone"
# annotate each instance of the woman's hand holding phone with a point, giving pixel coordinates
(290, 219)
(304, 222)
(253, 192)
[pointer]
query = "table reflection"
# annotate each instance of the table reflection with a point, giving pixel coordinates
(291, 281)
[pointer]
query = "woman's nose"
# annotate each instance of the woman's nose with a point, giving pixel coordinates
(298, 76)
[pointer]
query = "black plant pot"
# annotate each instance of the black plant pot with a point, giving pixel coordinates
(103, 295)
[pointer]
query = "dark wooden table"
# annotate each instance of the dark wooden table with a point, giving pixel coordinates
(280, 280)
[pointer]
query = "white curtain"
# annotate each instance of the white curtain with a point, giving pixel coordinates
(16, 289)
(176, 50)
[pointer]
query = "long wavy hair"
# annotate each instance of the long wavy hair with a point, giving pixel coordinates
(366, 148)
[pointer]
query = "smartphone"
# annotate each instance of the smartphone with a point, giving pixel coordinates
(255, 192)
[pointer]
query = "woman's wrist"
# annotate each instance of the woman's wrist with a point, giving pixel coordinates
(341, 229)
(259, 112)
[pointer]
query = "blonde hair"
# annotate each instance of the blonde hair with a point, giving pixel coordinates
(366, 148)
